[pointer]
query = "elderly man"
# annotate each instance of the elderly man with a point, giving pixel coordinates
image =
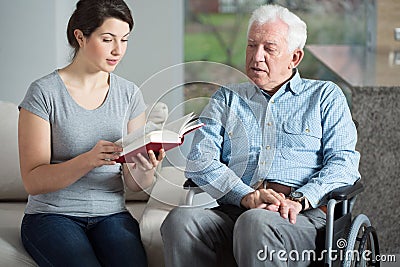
(270, 150)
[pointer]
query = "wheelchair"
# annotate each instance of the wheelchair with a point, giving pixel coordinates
(348, 241)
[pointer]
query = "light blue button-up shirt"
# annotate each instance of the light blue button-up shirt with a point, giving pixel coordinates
(303, 136)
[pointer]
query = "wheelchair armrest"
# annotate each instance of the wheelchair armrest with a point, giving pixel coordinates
(189, 184)
(192, 187)
(346, 192)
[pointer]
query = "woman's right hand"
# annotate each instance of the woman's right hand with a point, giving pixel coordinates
(103, 153)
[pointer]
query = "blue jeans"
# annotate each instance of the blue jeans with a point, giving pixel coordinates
(59, 240)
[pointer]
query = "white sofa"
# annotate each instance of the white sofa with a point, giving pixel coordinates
(150, 211)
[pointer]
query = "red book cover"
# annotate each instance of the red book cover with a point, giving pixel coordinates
(155, 146)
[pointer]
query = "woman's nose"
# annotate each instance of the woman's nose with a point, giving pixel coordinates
(117, 49)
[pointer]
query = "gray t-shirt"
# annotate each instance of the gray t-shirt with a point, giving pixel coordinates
(75, 130)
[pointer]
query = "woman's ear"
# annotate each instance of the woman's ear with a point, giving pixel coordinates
(297, 56)
(79, 37)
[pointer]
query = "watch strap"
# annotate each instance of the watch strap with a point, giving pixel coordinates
(303, 204)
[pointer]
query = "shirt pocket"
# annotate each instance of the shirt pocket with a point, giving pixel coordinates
(301, 143)
(301, 133)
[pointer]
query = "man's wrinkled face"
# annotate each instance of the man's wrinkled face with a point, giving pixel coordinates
(268, 60)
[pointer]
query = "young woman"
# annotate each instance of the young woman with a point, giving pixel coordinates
(76, 213)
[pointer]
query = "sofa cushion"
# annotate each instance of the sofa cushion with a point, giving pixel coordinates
(157, 113)
(11, 187)
(12, 252)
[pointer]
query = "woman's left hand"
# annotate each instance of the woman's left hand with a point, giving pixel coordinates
(146, 164)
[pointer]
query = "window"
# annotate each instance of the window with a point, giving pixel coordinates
(215, 31)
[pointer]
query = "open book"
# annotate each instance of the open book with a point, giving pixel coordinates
(150, 137)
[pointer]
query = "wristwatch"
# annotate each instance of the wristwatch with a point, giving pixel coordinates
(298, 197)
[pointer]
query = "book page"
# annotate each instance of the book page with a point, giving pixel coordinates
(139, 133)
(179, 124)
(194, 124)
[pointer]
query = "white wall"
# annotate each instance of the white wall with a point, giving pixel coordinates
(34, 44)
(28, 48)
(156, 45)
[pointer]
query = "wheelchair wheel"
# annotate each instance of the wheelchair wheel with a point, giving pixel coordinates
(362, 244)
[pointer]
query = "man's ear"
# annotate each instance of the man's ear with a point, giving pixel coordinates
(297, 56)
(79, 37)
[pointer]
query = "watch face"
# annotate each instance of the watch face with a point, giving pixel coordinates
(296, 194)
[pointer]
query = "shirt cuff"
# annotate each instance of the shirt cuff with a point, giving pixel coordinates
(236, 194)
(312, 192)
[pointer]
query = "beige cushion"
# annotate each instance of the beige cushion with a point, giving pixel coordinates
(12, 252)
(11, 187)
(157, 113)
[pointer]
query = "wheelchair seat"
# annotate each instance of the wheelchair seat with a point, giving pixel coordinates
(348, 241)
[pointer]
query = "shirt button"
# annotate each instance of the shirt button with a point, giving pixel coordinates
(272, 101)
(268, 147)
(307, 130)
(269, 123)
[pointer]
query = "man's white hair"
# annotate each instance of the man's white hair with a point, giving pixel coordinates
(297, 28)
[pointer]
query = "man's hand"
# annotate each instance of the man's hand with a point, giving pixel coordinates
(290, 210)
(270, 200)
(262, 198)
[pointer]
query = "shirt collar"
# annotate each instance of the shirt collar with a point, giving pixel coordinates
(294, 85)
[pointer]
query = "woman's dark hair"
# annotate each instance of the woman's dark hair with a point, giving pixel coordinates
(90, 14)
